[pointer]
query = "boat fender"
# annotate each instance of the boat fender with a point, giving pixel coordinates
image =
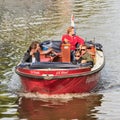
(46, 45)
(98, 46)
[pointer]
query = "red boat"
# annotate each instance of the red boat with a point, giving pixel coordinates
(57, 75)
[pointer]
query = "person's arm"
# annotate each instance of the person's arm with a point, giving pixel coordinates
(87, 58)
(80, 40)
(27, 57)
(64, 39)
(46, 51)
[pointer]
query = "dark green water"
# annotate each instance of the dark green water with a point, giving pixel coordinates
(22, 21)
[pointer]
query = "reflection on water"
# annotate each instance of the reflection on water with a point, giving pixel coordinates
(22, 21)
(56, 109)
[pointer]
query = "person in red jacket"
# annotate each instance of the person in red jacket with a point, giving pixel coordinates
(73, 40)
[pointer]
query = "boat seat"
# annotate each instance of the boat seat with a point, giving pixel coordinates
(45, 58)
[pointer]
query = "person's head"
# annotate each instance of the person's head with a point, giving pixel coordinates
(35, 45)
(77, 55)
(70, 30)
(83, 49)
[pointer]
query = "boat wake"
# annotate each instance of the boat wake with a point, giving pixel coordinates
(59, 97)
(14, 84)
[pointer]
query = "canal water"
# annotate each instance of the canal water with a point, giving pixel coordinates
(22, 21)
